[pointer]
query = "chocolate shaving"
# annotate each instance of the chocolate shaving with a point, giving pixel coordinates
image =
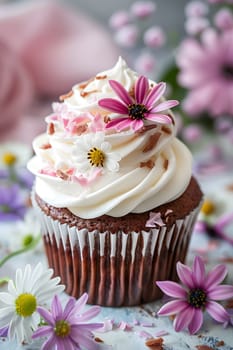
(98, 340)
(220, 343)
(81, 129)
(152, 142)
(86, 93)
(166, 129)
(165, 164)
(132, 92)
(84, 84)
(100, 77)
(50, 129)
(106, 119)
(46, 146)
(146, 128)
(149, 164)
(65, 96)
(62, 174)
(155, 343)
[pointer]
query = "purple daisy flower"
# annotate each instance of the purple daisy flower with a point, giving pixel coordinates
(197, 294)
(142, 107)
(67, 329)
(12, 203)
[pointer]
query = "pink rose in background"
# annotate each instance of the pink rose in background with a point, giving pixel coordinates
(47, 48)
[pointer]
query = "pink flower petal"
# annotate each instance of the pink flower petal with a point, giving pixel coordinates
(172, 289)
(113, 105)
(217, 311)
(196, 322)
(185, 275)
(215, 276)
(183, 319)
(141, 89)
(137, 124)
(172, 307)
(56, 307)
(90, 313)
(123, 124)
(221, 292)
(155, 94)
(165, 105)
(159, 118)
(121, 92)
(80, 303)
(46, 315)
(198, 271)
(119, 123)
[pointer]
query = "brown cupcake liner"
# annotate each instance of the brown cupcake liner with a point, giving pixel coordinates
(115, 269)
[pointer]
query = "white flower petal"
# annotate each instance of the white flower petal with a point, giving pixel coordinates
(6, 316)
(7, 298)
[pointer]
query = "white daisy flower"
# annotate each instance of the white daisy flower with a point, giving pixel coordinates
(25, 233)
(32, 288)
(92, 151)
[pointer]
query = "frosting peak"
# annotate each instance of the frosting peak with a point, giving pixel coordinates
(110, 148)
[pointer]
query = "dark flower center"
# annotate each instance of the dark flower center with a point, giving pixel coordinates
(227, 70)
(137, 111)
(197, 298)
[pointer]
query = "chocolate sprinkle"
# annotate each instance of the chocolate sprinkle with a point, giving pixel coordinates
(152, 142)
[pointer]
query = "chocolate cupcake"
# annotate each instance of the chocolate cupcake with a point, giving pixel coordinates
(114, 189)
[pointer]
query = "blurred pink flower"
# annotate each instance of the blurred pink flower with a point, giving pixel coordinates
(143, 9)
(127, 35)
(195, 25)
(119, 19)
(192, 133)
(145, 63)
(16, 87)
(206, 69)
(224, 19)
(154, 37)
(196, 9)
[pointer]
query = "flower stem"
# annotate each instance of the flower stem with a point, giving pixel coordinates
(20, 251)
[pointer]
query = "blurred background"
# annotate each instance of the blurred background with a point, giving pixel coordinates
(47, 46)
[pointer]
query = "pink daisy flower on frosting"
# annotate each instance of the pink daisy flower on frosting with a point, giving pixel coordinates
(143, 106)
(198, 293)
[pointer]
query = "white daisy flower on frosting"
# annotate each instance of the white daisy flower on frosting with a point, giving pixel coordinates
(18, 307)
(92, 151)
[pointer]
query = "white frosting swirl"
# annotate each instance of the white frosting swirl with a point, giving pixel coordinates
(139, 170)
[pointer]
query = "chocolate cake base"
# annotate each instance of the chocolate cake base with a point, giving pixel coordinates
(117, 260)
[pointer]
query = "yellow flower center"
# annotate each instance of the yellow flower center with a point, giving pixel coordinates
(96, 157)
(9, 158)
(62, 328)
(27, 240)
(25, 304)
(208, 207)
